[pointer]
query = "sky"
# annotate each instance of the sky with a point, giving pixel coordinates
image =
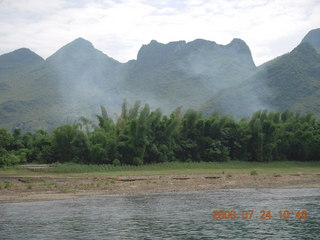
(120, 27)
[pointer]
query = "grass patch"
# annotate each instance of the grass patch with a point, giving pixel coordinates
(253, 173)
(6, 185)
(167, 168)
(177, 166)
(64, 190)
(49, 184)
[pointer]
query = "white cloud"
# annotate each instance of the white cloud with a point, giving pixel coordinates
(119, 28)
(30, 6)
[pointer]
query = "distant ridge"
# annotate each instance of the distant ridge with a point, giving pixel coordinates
(78, 78)
(291, 81)
(19, 58)
(313, 37)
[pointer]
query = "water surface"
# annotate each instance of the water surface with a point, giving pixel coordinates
(165, 216)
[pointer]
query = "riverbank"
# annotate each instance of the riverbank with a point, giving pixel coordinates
(22, 184)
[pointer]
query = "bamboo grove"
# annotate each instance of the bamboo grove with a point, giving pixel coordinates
(141, 136)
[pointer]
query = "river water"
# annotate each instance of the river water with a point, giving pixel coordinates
(167, 216)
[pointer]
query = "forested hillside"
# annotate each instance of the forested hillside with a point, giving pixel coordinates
(78, 78)
(71, 83)
(313, 37)
(185, 74)
(291, 81)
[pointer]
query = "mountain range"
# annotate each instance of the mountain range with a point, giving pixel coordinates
(37, 93)
(289, 82)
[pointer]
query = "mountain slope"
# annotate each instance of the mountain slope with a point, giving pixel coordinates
(22, 90)
(291, 81)
(313, 37)
(86, 78)
(71, 83)
(186, 74)
(18, 60)
(77, 79)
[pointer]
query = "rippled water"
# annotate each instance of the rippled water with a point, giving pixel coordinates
(165, 216)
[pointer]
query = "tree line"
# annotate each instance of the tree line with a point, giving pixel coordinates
(141, 136)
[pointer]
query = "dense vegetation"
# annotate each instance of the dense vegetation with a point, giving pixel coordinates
(141, 136)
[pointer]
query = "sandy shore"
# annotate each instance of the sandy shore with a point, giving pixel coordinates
(19, 189)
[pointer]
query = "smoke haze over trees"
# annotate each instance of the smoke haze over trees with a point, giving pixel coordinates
(77, 79)
(141, 136)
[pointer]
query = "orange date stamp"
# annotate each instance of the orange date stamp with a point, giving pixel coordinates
(263, 214)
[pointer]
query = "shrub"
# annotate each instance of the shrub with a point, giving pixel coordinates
(22, 155)
(253, 173)
(9, 160)
(116, 162)
(7, 185)
(137, 161)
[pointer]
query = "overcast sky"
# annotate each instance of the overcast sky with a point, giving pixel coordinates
(120, 27)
